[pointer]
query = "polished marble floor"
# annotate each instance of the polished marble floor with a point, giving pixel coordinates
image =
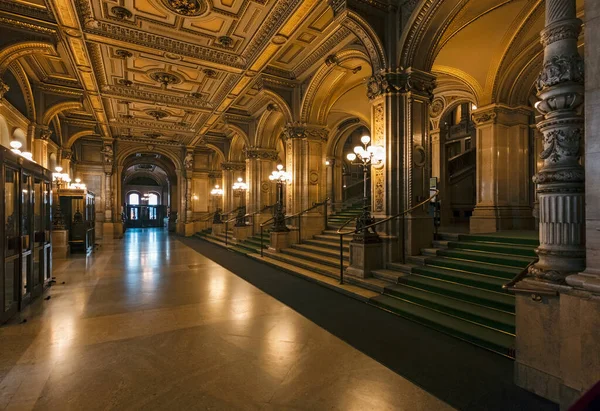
(149, 323)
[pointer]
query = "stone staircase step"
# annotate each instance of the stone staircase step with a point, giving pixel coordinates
(497, 239)
(493, 299)
(448, 236)
(333, 238)
(403, 268)
(481, 314)
(301, 262)
(509, 249)
(392, 276)
(461, 277)
(492, 339)
(329, 244)
(474, 267)
(429, 251)
(331, 261)
(492, 258)
(353, 291)
(440, 244)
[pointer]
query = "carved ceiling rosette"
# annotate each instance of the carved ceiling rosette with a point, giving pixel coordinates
(187, 8)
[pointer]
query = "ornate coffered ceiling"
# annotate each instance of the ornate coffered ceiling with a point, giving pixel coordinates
(174, 70)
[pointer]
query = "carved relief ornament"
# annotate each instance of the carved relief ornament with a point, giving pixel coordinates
(561, 69)
(262, 154)
(401, 82)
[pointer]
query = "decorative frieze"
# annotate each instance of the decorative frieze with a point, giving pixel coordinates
(232, 166)
(261, 154)
(4, 88)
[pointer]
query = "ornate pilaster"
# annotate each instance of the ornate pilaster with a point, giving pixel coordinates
(260, 163)
(503, 168)
(306, 163)
(108, 161)
(188, 163)
(560, 182)
(41, 135)
(231, 170)
(400, 122)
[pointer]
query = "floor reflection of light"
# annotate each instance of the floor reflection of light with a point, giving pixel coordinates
(62, 334)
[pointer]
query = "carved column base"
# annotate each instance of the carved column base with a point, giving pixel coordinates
(489, 219)
(561, 252)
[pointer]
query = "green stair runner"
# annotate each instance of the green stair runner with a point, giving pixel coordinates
(455, 287)
(458, 290)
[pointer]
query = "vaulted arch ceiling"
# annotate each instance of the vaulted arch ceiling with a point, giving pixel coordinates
(490, 45)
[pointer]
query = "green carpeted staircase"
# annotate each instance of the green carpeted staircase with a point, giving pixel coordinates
(456, 287)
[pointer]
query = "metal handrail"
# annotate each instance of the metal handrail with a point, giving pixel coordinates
(315, 205)
(244, 217)
(211, 215)
(367, 227)
(510, 286)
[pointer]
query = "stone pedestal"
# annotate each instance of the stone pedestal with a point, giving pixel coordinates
(118, 230)
(558, 339)
(108, 232)
(189, 229)
(364, 258)
(241, 233)
(60, 244)
(218, 229)
(279, 241)
(418, 232)
(199, 226)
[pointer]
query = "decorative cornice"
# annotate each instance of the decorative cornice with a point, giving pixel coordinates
(148, 96)
(142, 38)
(147, 141)
(51, 88)
(127, 122)
(28, 10)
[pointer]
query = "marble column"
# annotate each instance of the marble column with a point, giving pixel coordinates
(400, 122)
(188, 163)
(503, 169)
(560, 182)
(306, 161)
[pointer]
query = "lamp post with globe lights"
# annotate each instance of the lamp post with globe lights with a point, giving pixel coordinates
(239, 189)
(280, 177)
(364, 157)
(217, 193)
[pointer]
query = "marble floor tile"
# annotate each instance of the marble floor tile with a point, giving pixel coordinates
(148, 323)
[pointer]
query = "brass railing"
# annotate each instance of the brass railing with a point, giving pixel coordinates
(297, 215)
(371, 226)
(510, 286)
(245, 217)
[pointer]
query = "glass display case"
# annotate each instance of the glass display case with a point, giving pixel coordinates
(79, 215)
(26, 250)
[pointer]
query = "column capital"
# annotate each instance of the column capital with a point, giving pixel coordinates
(233, 166)
(215, 174)
(308, 131)
(66, 154)
(44, 133)
(401, 81)
(261, 153)
(500, 113)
